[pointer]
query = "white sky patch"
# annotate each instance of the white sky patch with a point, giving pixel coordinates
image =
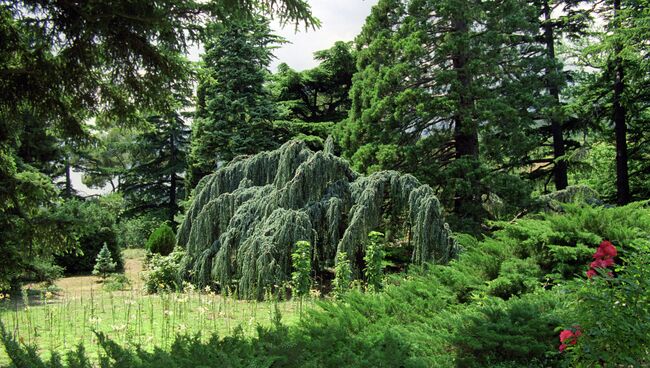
(341, 20)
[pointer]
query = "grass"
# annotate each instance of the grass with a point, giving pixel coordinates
(59, 321)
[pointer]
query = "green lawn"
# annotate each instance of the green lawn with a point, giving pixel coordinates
(59, 321)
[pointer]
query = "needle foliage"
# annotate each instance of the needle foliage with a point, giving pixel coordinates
(245, 218)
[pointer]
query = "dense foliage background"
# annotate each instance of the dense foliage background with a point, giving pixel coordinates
(530, 121)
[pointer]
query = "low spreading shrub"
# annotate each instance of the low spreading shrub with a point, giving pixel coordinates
(163, 274)
(516, 277)
(493, 306)
(517, 332)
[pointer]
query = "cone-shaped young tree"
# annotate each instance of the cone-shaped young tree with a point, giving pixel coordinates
(104, 263)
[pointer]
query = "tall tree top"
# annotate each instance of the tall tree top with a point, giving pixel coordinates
(70, 59)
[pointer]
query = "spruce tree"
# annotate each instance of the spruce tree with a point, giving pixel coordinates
(104, 263)
(234, 109)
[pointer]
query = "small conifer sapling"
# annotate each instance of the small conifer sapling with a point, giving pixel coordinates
(104, 263)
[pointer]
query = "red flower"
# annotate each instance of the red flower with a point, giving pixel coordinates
(605, 250)
(565, 335)
(599, 254)
(602, 263)
(604, 258)
(591, 273)
(569, 337)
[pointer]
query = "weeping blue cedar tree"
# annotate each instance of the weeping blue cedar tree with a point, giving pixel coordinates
(244, 215)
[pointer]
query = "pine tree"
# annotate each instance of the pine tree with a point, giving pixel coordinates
(234, 110)
(155, 181)
(104, 263)
(312, 103)
(320, 94)
(554, 29)
(619, 91)
(435, 78)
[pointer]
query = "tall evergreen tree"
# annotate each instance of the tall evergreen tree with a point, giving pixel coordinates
(619, 90)
(234, 110)
(571, 23)
(320, 94)
(65, 61)
(435, 78)
(155, 182)
(312, 103)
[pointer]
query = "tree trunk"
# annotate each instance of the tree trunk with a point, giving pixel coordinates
(560, 175)
(173, 208)
(68, 178)
(172, 187)
(620, 126)
(465, 129)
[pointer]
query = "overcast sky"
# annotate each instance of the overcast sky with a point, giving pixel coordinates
(341, 20)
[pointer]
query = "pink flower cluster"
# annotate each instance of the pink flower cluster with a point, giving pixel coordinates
(569, 337)
(604, 258)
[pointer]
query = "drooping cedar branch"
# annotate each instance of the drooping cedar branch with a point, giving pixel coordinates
(246, 217)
